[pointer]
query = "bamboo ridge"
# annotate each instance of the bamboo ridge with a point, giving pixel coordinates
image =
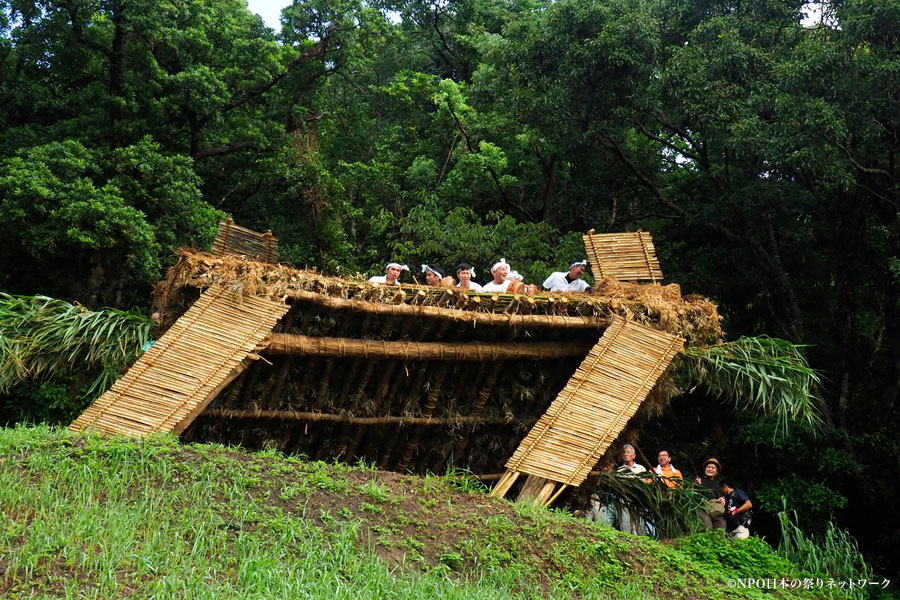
(453, 314)
(240, 241)
(314, 417)
(624, 256)
(304, 345)
(595, 405)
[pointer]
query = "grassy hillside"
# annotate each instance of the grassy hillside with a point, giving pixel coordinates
(86, 517)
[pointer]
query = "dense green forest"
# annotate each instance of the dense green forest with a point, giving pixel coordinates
(758, 147)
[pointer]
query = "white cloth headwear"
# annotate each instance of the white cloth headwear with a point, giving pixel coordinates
(426, 268)
(583, 263)
(501, 263)
(515, 275)
(398, 265)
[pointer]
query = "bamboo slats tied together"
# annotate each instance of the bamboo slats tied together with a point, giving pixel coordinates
(623, 256)
(240, 241)
(177, 378)
(595, 405)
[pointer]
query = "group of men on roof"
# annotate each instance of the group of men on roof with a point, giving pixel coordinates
(503, 278)
(726, 507)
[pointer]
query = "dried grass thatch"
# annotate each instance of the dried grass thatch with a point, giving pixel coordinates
(694, 318)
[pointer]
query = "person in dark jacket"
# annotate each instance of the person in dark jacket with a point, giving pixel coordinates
(737, 511)
(713, 514)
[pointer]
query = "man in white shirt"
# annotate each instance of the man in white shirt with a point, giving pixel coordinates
(391, 274)
(465, 272)
(561, 281)
(500, 283)
(628, 522)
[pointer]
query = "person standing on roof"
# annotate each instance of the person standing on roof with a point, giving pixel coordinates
(500, 283)
(561, 281)
(433, 275)
(392, 272)
(464, 273)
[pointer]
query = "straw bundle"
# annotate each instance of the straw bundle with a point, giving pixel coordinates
(693, 317)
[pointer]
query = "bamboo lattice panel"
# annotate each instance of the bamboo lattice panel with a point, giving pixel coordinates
(596, 404)
(179, 375)
(624, 256)
(240, 241)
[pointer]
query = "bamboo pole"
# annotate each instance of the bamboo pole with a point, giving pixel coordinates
(317, 417)
(452, 314)
(304, 345)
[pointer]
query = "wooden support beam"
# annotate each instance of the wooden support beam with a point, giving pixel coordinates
(303, 345)
(293, 415)
(453, 314)
(506, 482)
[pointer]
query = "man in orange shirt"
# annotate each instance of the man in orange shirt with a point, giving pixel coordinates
(671, 476)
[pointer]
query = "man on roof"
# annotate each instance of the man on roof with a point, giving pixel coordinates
(392, 272)
(464, 273)
(434, 275)
(560, 281)
(500, 283)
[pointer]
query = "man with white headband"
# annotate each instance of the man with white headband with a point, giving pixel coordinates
(464, 273)
(560, 281)
(500, 283)
(433, 275)
(391, 274)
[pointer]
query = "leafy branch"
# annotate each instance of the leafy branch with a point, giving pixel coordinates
(41, 337)
(768, 375)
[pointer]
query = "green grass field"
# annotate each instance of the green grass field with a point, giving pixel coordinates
(89, 517)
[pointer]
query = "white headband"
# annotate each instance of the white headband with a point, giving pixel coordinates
(582, 263)
(397, 265)
(514, 275)
(426, 268)
(501, 263)
(471, 269)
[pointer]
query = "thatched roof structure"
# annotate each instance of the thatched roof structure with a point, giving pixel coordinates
(411, 377)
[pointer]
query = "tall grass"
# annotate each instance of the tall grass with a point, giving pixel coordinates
(834, 554)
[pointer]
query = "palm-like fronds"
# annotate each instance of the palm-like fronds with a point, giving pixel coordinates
(41, 337)
(671, 511)
(768, 375)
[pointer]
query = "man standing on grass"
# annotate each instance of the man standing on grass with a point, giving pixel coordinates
(737, 510)
(671, 476)
(629, 522)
